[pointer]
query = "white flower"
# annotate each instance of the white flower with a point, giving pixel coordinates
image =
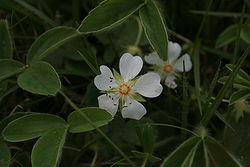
(169, 69)
(124, 91)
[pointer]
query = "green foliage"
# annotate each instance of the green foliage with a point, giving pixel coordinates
(152, 22)
(40, 78)
(241, 81)
(230, 34)
(86, 52)
(48, 42)
(10, 118)
(54, 48)
(189, 154)
(31, 126)
(108, 14)
(182, 153)
(47, 150)
(4, 154)
(99, 117)
(219, 156)
(208, 115)
(239, 95)
(6, 50)
(9, 68)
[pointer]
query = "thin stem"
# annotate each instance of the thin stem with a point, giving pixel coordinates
(204, 19)
(237, 41)
(145, 161)
(94, 159)
(179, 36)
(73, 105)
(173, 126)
(138, 38)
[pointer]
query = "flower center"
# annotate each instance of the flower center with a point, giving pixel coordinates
(167, 68)
(124, 89)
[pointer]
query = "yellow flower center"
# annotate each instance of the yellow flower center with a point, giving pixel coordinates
(167, 68)
(124, 89)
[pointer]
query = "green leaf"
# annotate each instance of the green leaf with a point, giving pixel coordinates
(78, 68)
(238, 141)
(108, 14)
(238, 82)
(197, 78)
(40, 78)
(241, 81)
(9, 68)
(219, 155)
(241, 73)
(190, 156)
(36, 12)
(154, 28)
(146, 134)
(31, 126)
(6, 50)
(245, 33)
(86, 52)
(227, 36)
(98, 116)
(48, 42)
(11, 118)
(177, 157)
(201, 157)
(239, 95)
(4, 154)
(48, 149)
(142, 156)
(211, 110)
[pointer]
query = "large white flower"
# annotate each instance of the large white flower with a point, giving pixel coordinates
(169, 69)
(124, 91)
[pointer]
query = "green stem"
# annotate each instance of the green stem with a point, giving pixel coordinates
(145, 161)
(13, 73)
(237, 41)
(138, 38)
(204, 19)
(73, 105)
(173, 126)
(94, 159)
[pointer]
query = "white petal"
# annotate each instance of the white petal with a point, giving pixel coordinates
(149, 85)
(169, 82)
(174, 51)
(105, 81)
(187, 62)
(133, 110)
(130, 66)
(109, 102)
(154, 59)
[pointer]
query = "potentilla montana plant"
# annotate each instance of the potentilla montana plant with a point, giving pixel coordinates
(122, 92)
(169, 70)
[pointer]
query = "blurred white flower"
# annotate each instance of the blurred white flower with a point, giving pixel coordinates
(169, 69)
(125, 90)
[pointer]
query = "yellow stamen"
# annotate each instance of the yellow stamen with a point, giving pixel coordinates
(167, 68)
(124, 89)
